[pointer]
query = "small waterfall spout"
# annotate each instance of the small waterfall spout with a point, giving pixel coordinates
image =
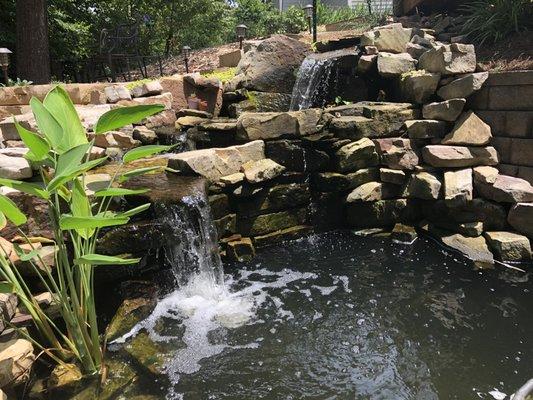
(312, 81)
(192, 246)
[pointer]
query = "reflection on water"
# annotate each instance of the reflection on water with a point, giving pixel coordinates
(338, 316)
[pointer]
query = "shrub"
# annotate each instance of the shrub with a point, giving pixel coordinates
(61, 151)
(492, 20)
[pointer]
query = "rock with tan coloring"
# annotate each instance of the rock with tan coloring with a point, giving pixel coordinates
(509, 246)
(16, 359)
(418, 86)
(474, 248)
(520, 217)
(506, 189)
(426, 128)
(397, 153)
(469, 130)
(392, 38)
(14, 167)
(145, 89)
(485, 174)
(424, 185)
(395, 176)
(116, 93)
(458, 187)
(459, 156)
(357, 155)
(463, 86)
(373, 191)
(393, 65)
(366, 63)
(261, 170)
(450, 59)
(448, 110)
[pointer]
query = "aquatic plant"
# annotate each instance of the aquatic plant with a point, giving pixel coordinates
(61, 152)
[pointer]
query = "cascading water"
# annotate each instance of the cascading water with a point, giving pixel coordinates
(311, 83)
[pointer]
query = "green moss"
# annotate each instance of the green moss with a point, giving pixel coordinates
(224, 75)
(134, 84)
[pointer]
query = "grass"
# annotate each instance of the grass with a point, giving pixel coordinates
(224, 75)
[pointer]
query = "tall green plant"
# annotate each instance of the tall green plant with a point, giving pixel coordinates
(61, 152)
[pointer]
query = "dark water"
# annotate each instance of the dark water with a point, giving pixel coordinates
(339, 316)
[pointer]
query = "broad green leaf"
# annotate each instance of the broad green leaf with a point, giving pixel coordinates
(58, 102)
(39, 148)
(11, 211)
(6, 287)
(136, 172)
(26, 187)
(144, 151)
(111, 192)
(98, 259)
(80, 207)
(23, 255)
(60, 180)
(136, 210)
(67, 222)
(70, 160)
(47, 124)
(119, 117)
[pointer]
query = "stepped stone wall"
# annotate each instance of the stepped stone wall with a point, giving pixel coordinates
(506, 103)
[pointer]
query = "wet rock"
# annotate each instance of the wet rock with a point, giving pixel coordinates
(266, 126)
(397, 153)
(267, 223)
(16, 359)
(362, 176)
(366, 63)
(261, 170)
(260, 102)
(218, 162)
(418, 86)
(520, 217)
(219, 205)
(404, 233)
(144, 135)
(463, 86)
(392, 38)
(469, 130)
(282, 236)
(426, 128)
(276, 198)
(448, 110)
(232, 179)
(373, 191)
(506, 189)
(187, 112)
(226, 225)
(508, 246)
(394, 176)
(14, 167)
(376, 214)
(450, 59)
(393, 65)
(241, 250)
(292, 155)
(116, 93)
(64, 375)
(356, 155)
(458, 187)
(271, 66)
(474, 248)
(458, 156)
(152, 88)
(330, 182)
(485, 174)
(423, 185)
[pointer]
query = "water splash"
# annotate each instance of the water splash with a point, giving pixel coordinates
(311, 83)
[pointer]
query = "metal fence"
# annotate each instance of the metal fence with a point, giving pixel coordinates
(376, 6)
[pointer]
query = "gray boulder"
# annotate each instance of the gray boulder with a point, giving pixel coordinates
(357, 155)
(448, 110)
(463, 86)
(449, 59)
(443, 156)
(520, 217)
(393, 65)
(469, 130)
(418, 86)
(508, 246)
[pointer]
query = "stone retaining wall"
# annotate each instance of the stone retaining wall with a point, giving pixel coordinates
(506, 103)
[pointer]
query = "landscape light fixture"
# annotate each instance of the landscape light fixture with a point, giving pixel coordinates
(4, 62)
(241, 33)
(186, 53)
(309, 14)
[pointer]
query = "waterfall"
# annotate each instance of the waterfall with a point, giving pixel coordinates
(311, 83)
(191, 248)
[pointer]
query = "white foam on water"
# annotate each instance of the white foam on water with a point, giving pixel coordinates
(325, 290)
(496, 394)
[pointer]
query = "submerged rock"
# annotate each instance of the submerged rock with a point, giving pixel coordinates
(404, 233)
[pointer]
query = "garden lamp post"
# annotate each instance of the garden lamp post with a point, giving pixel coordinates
(4, 62)
(314, 21)
(186, 54)
(241, 34)
(309, 14)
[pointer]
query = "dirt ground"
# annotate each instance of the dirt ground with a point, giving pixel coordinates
(512, 54)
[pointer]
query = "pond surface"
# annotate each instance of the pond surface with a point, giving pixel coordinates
(338, 316)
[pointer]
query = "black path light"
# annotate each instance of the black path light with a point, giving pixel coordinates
(314, 21)
(4, 62)
(309, 14)
(186, 54)
(241, 33)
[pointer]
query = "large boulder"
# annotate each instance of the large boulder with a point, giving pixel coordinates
(520, 217)
(448, 110)
(449, 59)
(392, 38)
(469, 130)
(392, 65)
(357, 155)
(216, 163)
(260, 102)
(266, 126)
(506, 189)
(463, 86)
(474, 248)
(418, 86)
(397, 153)
(443, 156)
(271, 66)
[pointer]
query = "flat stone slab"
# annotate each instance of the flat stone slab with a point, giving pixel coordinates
(261, 170)
(448, 110)
(474, 248)
(506, 189)
(463, 86)
(426, 128)
(459, 156)
(508, 246)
